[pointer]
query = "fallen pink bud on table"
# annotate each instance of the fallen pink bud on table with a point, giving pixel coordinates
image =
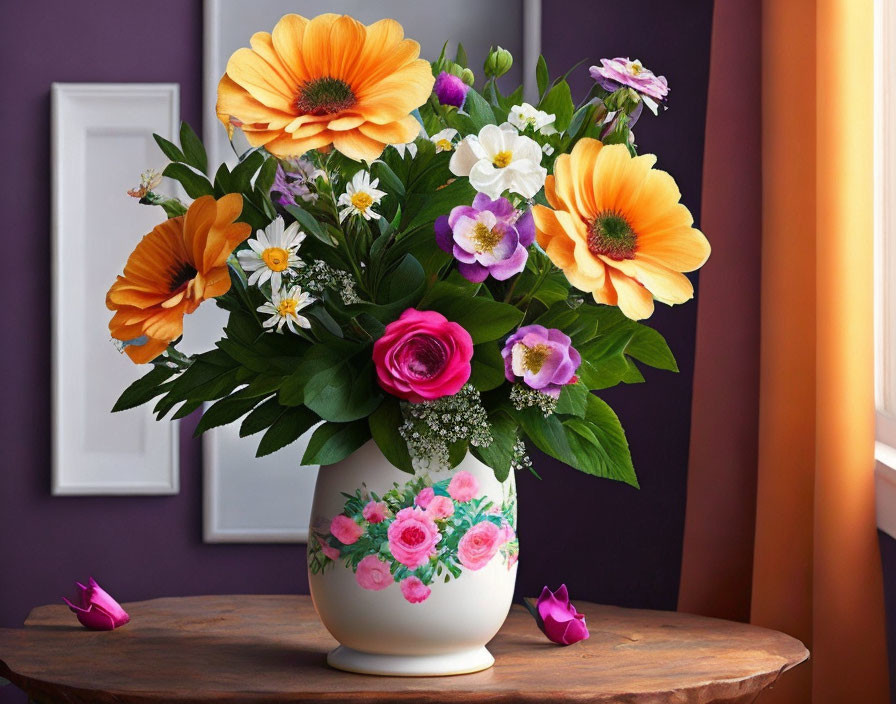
(97, 611)
(557, 618)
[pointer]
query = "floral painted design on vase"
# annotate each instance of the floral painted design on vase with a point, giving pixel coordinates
(417, 534)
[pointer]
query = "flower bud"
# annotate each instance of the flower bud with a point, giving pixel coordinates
(498, 62)
(467, 77)
(97, 610)
(450, 90)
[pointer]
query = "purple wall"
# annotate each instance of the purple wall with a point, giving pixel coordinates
(607, 541)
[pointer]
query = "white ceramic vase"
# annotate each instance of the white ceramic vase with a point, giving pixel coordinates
(412, 574)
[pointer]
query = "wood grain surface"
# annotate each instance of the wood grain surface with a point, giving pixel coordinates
(252, 649)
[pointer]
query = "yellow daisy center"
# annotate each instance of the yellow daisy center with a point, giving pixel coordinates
(612, 236)
(502, 159)
(362, 201)
(325, 96)
(534, 357)
(444, 145)
(484, 238)
(287, 307)
(276, 258)
(635, 68)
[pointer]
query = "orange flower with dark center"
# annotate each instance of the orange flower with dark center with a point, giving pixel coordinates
(326, 81)
(617, 230)
(181, 263)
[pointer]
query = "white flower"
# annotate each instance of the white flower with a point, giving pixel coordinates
(523, 116)
(500, 159)
(409, 146)
(272, 252)
(444, 140)
(283, 309)
(360, 196)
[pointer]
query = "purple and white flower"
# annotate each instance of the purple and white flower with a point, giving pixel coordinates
(543, 358)
(291, 181)
(487, 238)
(612, 74)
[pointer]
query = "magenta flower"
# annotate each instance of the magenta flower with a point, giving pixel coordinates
(373, 573)
(557, 618)
(543, 358)
(423, 356)
(450, 90)
(612, 74)
(479, 545)
(414, 590)
(488, 238)
(97, 610)
(412, 537)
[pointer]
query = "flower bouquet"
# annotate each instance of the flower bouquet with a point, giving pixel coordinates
(432, 276)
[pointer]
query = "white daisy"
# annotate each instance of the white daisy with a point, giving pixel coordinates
(500, 159)
(283, 309)
(360, 196)
(272, 252)
(444, 140)
(410, 147)
(525, 115)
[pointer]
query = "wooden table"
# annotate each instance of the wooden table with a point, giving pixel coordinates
(272, 649)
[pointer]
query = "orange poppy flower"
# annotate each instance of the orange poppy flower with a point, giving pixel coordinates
(617, 229)
(173, 269)
(328, 80)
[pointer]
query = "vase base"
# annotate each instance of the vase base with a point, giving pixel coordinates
(462, 663)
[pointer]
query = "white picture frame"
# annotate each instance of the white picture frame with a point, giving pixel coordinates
(101, 142)
(269, 499)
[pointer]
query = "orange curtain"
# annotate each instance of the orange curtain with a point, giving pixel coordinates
(815, 558)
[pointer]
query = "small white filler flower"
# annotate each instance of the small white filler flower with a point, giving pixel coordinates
(500, 159)
(283, 309)
(272, 252)
(444, 140)
(360, 196)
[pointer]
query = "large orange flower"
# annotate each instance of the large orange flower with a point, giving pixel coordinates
(173, 269)
(617, 229)
(329, 80)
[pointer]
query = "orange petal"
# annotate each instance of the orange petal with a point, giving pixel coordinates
(250, 71)
(316, 45)
(141, 354)
(634, 300)
(287, 39)
(400, 132)
(681, 249)
(583, 164)
(358, 146)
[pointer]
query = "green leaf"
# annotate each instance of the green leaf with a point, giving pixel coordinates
(542, 77)
(245, 170)
(479, 110)
(573, 400)
(224, 411)
(191, 145)
(388, 180)
(558, 102)
(599, 443)
(265, 178)
(194, 184)
(423, 208)
(499, 454)
(146, 388)
(344, 391)
(169, 149)
(286, 429)
(384, 424)
(333, 442)
(483, 318)
(461, 56)
(309, 223)
(261, 418)
(487, 367)
(547, 434)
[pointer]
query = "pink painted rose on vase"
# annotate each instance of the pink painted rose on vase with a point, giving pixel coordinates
(463, 486)
(479, 545)
(375, 511)
(440, 508)
(345, 530)
(412, 537)
(423, 356)
(414, 590)
(373, 573)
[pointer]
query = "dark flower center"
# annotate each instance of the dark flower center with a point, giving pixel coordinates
(324, 96)
(424, 356)
(413, 535)
(611, 235)
(181, 275)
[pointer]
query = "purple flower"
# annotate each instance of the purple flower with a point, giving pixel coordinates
(97, 611)
(613, 73)
(450, 90)
(488, 238)
(543, 358)
(291, 181)
(557, 618)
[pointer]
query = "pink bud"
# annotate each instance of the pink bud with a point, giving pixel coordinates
(557, 617)
(98, 611)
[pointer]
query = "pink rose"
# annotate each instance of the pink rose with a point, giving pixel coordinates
(373, 573)
(329, 551)
(375, 511)
(345, 530)
(507, 533)
(412, 537)
(463, 486)
(424, 497)
(479, 545)
(440, 507)
(423, 356)
(557, 617)
(96, 609)
(414, 590)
